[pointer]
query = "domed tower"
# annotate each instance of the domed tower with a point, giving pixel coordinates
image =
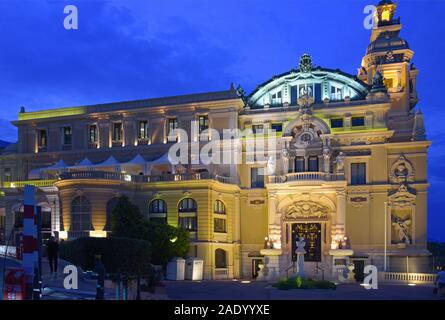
(390, 55)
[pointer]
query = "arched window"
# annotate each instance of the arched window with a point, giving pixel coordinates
(219, 207)
(110, 207)
(220, 258)
(158, 210)
(81, 214)
(188, 212)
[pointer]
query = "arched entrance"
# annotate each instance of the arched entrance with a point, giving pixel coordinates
(309, 216)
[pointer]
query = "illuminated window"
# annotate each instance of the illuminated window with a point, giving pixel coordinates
(143, 130)
(67, 135)
(386, 15)
(172, 125)
(42, 139)
(92, 133)
(158, 211)
(336, 93)
(203, 122)
(188, 212)
(219, 207)
(158, 206)
(276, 98)
(117, 131)
(81, 214)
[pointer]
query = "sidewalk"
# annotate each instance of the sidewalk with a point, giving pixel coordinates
(53, 287)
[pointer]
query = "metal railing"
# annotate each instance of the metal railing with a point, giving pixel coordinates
(417, 278)
(145, 179)
(21, 184)
(306, 176)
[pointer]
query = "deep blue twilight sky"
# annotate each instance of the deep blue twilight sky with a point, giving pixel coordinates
(133, 49)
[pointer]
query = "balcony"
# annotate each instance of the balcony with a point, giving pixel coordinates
(103, 175)
(306, 176)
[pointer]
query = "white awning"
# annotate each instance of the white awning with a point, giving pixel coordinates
(84, 164)
(110, 162)
(60, 165)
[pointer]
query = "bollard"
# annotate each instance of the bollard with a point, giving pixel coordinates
(118, 285)
(125, 287)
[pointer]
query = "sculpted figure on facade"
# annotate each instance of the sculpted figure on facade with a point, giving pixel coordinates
(305, 209)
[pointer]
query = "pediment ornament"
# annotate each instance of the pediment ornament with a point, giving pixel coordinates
(306, 209)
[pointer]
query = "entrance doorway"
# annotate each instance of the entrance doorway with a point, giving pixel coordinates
(311, 232)
(359, 270)
(255, 267)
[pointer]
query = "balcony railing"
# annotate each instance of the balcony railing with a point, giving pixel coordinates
(306, 176)
(21, 184)
(144, 179)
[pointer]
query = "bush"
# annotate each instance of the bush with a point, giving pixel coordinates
(118, 254)
(166, 241)
(300, 283)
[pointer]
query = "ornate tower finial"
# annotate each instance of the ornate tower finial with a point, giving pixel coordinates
(305, 63)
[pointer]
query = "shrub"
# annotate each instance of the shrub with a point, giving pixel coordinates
(300, 283)
(118, 254)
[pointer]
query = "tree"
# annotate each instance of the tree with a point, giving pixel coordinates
(166, 241)
(126, 219)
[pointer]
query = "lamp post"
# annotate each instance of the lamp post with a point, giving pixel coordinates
(385, 236)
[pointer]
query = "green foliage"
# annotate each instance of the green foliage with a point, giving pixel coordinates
(118, 254)
(300, 283)
(166, 241)
(126, 219)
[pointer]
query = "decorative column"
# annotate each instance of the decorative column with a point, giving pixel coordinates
(272, 255)
(338, 232)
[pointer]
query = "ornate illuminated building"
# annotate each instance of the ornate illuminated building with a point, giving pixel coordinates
(349, 172)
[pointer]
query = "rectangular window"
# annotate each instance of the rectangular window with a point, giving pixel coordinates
(172, 125)
(42, 139)
(337, 123)
(219, 225)
(117, 131)
(7, 174)
(358, 121)
(313, 164)
(358, 173)
(92, 133)
(188, 223)
(143, 130)
(203, 123)
(276, 98)
(336, 93)
(256, 178)
(257, 129)
(299, 164)
(67, 136)
(278, 127)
